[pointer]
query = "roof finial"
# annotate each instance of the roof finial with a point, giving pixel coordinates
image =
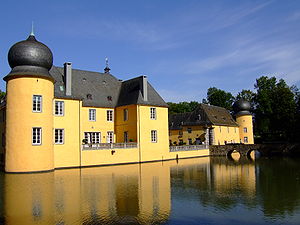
(106, 69)
(32, 33)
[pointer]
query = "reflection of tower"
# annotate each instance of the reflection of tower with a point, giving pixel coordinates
(29, 198)
(244, 119)
(29, 118)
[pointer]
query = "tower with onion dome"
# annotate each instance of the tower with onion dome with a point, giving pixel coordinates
(29, 117)
(244, 119)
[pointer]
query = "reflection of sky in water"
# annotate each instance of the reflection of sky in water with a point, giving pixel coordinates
(192, 191)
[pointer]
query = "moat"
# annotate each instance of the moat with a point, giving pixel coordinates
(207, 190)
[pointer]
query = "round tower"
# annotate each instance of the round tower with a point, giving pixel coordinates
(244, 119)
(29, 119)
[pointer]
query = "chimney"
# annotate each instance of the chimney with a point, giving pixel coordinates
(68, 77)
(145, 88)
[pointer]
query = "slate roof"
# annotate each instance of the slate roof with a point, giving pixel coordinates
(203, 115)
(103, 89)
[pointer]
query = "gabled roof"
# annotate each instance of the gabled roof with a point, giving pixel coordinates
(131, 94)
(203, 115)
(218, 115)
(176, 120)
(103, 89)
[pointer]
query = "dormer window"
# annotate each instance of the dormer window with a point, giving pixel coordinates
(199, 117)
(109, 98)
(89, 96)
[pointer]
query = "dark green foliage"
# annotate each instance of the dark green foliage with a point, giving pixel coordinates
(2, 94)
(182, 107)
(275, 109)
(220, 98)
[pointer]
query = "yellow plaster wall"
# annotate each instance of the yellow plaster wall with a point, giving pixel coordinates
(68, 154)
(100, 125)
(220, 137)
(21, 155)
(106, 157)
(153, 151)
(2, 135)
(175, 135)
(245, 121)
(197, 131)
(130, 125)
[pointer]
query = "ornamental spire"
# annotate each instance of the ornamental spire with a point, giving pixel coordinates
(32, 33)
(106, 69)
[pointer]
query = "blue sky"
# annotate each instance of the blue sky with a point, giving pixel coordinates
(184, 47)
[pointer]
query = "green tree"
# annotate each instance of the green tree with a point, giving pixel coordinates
(182, 107)
(275, 108)
(2, 94)
(220, 98)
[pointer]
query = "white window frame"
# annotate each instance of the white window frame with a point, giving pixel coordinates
(245, 130)
(35, 135)
(93, 137)
(92, 114)
(60, 106)
(125, 114)
(246, 140)
(153, 113)
(154, 136)
(109, 115)
(37, 103)
(110, 137)
(59, 136)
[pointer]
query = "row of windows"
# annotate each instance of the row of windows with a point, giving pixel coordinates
(59, 110)
(89, 137)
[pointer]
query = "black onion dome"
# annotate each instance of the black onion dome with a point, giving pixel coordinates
(30, 58)
(242, 107)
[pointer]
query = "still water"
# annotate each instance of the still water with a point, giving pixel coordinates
(191, 191)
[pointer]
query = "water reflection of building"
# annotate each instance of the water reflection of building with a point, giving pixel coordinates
(117, 194)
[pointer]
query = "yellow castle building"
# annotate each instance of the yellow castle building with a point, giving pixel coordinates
(60, 117)
(212, 125)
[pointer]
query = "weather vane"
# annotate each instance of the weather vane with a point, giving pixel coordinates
(32, 33)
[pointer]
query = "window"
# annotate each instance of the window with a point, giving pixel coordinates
(153, 113)
(36, 136)
(125, 113)
(126, 136)
(59, 136)
(110, 137)
(190, 141)
(245, 130)
(92, 137)
(109, 115)
(59, 108)
(245, 139)
(154, 136)
(92, 114)
(189, 130)
(37, 103)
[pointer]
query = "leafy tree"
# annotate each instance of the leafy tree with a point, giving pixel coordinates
(275, 112)
(220, 98)
(182, 107)
(2, 94)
